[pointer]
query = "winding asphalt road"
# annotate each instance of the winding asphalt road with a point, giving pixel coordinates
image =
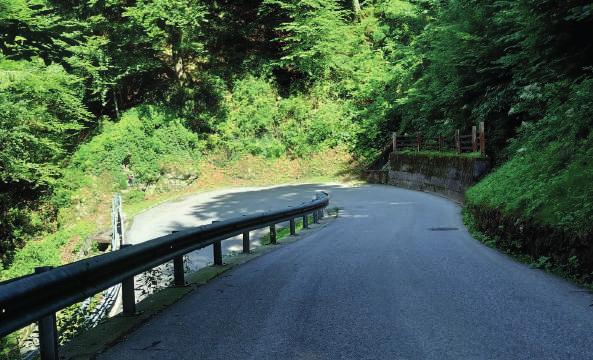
(395, 276)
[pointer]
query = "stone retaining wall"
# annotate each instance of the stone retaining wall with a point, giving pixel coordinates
(447, 175)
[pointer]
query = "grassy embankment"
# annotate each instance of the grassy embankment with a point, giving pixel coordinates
(88, 219)
(539, 204)
(167, 163)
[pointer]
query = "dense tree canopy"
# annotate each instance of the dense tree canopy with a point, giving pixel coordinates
(271, 77)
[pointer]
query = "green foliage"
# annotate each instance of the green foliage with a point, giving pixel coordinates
(174, 29)
(286, 77)
(138, 144)
(40, 114)
(9, 348)
(46, 252)
(317, 40)
(260, 122)
(32, 28)
(548, 178)
(479, 58)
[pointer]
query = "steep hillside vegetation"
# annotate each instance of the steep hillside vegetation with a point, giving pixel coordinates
(177, 96)
(94, 93)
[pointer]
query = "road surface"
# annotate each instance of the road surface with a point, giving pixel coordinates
(395, 276)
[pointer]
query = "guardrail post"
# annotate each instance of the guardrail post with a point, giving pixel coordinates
(48, 331)
(217, 250)
(305, 221)
(178, 271)
(273, 234)
(315, 217)
(246, 242)
(457, 141)
(292, 227)
(128, 296)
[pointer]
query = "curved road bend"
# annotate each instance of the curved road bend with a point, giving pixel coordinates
(396, 276)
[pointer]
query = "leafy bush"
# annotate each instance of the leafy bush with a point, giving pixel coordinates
(45, 252)
(137, 144)
(260, 122)
(549, 178)
(40, 114)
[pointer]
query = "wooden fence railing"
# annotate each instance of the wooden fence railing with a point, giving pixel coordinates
(474, 142)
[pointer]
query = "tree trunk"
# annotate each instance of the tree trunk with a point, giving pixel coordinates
(356, 7)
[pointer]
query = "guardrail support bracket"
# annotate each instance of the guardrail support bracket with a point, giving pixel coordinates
(292, 227)
(306, 222)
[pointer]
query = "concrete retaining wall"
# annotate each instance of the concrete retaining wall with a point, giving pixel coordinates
(447, 175)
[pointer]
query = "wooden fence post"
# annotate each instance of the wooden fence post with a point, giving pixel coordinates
(474, 139)
(457, 141)
(394, 139)
(482, 139)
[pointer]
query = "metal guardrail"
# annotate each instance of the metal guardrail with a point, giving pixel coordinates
(37, 297)
(117, 223)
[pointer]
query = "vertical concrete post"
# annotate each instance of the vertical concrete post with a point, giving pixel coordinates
(292, 227)
(417, 141)
(474, 139)
(272, 234)
(394, 140)
(246, 243)
(457, 141)
(48, 331)
(482, 138)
